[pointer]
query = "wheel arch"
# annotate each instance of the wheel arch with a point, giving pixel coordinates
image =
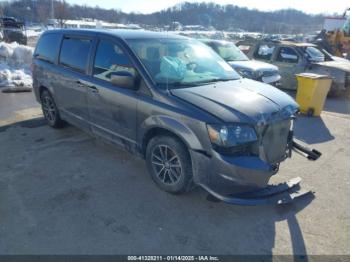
(159, 131)
(164, 125)
(41, 89)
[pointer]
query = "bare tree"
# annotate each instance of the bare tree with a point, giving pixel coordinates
(220, 17)
(43, 13)
(61, 12)
(1, 9)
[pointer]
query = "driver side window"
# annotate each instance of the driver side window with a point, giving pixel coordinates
(110, 59)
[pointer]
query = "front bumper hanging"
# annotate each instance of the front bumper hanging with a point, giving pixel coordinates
(271, 195)
(282, 193)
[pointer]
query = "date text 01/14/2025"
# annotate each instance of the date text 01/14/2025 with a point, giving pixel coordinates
(173, 258)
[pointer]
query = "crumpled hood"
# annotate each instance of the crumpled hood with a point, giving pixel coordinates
(342, 65)
(253, 65)
(242, 100)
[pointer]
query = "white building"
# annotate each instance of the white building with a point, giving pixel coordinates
(92, 23)
(333, 23)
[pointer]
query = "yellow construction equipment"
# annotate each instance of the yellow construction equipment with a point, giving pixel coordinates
(336, 42)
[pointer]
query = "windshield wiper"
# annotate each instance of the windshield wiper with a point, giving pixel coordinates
(177, 84)
(197, 83)
(214, 80)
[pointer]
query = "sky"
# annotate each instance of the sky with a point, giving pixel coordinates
(149, 6)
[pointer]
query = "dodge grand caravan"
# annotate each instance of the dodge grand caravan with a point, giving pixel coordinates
(173, 101)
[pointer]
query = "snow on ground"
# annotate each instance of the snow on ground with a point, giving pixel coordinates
(34, 31)
(15, 63)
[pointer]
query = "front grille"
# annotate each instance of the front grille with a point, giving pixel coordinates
(275, 141)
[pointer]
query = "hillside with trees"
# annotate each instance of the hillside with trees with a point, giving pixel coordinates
(221, 17)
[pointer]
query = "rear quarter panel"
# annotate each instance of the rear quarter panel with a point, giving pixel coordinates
(44, 75)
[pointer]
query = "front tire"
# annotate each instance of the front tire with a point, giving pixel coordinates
(50, 110)
(169, 164)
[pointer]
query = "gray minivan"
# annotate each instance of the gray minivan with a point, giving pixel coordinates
(171, 100)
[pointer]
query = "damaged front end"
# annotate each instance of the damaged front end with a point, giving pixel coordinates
(241, 176)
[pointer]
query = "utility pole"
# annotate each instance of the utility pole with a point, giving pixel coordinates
(52, 10)
(34, 11)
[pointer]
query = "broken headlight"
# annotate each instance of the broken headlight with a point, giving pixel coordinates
(231, 135)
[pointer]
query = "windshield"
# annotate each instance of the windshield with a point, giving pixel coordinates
(315, 54)
(229, 52)
(181, 62)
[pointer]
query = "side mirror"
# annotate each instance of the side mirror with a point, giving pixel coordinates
(123, 79)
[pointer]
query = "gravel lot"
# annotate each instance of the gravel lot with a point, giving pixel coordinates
(64, 192)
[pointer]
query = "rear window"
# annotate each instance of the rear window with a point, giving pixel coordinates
(47, 47)
(75, 53)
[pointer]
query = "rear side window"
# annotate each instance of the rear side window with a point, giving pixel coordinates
(287, 55)
(264, 51)
(75, 53)
(48, 47)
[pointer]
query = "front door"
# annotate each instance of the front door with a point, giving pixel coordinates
(289, 64)
(112, 109)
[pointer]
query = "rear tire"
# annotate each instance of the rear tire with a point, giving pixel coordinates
(169, 164)
(50, 110)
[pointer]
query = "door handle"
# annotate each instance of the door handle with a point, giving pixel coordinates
(81, 84)
(91, 87)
